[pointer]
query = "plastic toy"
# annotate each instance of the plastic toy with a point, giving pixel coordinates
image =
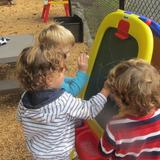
(47, 5)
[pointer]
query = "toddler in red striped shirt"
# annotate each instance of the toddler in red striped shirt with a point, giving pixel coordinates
(135, 132)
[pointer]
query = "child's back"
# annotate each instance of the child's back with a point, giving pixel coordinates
(134, 138)
(49, 128)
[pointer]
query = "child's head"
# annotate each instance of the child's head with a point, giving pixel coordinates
(56, 37)
(135, 85)
(40, 69)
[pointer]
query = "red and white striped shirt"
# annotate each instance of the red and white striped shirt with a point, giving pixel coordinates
(133, 138)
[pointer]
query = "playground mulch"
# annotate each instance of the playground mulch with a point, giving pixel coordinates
(22, 18)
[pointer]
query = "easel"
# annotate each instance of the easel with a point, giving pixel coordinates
(117, 31)
(47, 5)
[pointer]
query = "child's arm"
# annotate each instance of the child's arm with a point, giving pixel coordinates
(18, 115)
(19, 109)
(86, 109)
(75, 85)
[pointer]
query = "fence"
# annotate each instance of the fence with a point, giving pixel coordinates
(95, 10)
(148, 8)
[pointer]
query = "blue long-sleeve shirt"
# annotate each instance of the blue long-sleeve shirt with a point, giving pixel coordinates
(75, 85)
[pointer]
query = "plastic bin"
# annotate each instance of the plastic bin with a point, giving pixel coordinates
(74, 24)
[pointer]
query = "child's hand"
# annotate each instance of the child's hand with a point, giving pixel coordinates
(105, 90)
(83, 62)
(105, 85)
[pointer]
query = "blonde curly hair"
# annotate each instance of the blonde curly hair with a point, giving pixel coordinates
(137, 84)
(34, 65)
(55, 35)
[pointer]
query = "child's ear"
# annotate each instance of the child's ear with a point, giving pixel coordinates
(49, 80)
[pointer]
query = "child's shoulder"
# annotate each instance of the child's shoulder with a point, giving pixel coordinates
(117, 120)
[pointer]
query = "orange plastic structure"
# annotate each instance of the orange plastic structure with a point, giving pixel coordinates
(47, 5)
